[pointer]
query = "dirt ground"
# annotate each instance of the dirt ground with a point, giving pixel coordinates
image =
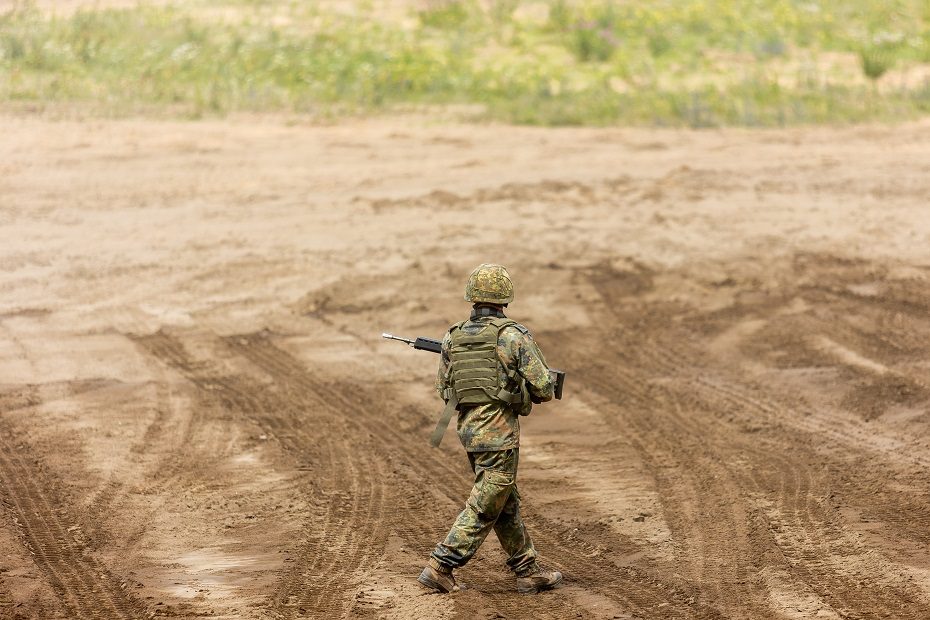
(198, 416)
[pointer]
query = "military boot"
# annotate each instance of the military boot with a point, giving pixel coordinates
(538, 581)
(438, 577)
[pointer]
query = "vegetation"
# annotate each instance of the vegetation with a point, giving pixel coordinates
(668, 62)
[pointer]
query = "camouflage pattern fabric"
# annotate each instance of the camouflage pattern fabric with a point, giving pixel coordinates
(489, 283)
(496, 426)
(494, 503)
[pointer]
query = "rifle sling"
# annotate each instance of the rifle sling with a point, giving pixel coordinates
(444, 419)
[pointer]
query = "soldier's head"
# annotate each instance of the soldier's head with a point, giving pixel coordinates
(490, 285)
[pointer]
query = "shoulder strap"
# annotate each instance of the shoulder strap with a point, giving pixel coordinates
(505, 322)
(501, 323)
(444, 418)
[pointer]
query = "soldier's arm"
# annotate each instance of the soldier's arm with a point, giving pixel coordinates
(535, 370)
(531, 364)
(442, 377)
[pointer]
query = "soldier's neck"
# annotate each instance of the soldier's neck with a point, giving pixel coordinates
(495, 311)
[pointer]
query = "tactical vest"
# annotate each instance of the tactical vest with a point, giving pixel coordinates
(473, 367)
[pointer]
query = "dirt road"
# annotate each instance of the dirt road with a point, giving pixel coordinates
(198, 417)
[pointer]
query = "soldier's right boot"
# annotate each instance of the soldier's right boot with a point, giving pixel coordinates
(538, 581)
(438, 577)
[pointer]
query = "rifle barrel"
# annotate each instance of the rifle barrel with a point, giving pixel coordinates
(398, 338)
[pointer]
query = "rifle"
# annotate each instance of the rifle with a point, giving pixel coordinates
(435, 346)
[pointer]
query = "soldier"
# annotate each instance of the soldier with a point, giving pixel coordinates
(492, 372)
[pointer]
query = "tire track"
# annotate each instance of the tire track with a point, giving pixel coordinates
(302, 386)
(170, 468)
(351, 501)
(627, 586)
(348, 537)
(30, 395)
(875, 451)
(85, 587)
(741, 406)
(716, 533)
(711, 523)
(277, 362)
(6, 600)
(810, 533)
(722, 439)
(345, 533)
(810, 539)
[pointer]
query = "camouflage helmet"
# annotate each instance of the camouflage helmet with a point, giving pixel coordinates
(490, 284)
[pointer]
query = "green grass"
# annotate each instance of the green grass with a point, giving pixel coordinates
(680, 63)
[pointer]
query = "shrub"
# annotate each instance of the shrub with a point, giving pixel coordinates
(659, 43)
(876, 61)
(593, 32)
(446, 14)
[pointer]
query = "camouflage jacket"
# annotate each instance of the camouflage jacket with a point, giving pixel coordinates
(496, 426)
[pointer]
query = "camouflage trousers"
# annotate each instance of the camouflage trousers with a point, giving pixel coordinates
(494, 503)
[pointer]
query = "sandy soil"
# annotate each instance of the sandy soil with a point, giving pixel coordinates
(198, 417)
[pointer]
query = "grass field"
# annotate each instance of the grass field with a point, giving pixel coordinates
(689, 62)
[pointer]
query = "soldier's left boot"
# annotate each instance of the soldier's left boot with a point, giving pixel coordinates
(438, 577)
(538, 581)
